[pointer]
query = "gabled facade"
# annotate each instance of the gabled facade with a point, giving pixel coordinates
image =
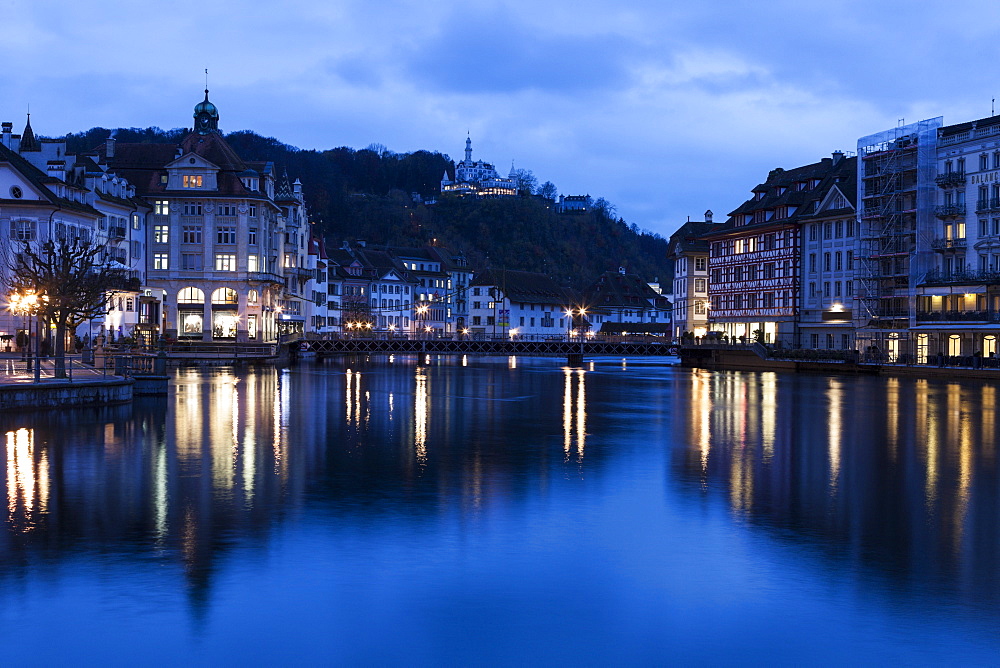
(755, 257)
(519, 303)
(688, 250)
(623, 298)
(217, 242)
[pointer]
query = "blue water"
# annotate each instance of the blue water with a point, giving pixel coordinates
(498, 511)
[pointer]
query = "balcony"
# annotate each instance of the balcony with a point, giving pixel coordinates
(948, 244)
(949, 210)
(116, 233)
(988, 205)
(938, 277)
(264, 276)
(950, 179)
(958, 316)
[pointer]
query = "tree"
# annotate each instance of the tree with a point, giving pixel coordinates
(548, 191)
(524, 181)
(73, 281)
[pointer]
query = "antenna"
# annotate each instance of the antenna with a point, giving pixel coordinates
(206, 78)
(993, 107)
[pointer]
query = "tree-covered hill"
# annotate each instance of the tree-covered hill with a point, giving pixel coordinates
(366, 194)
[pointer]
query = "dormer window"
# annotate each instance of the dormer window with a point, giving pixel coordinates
(192, 181)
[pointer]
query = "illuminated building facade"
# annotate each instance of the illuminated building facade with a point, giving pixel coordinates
(688, 250)
(226, 247)
(755, 257)
(477, 178)
(519, 303)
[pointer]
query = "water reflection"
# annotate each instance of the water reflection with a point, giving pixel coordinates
(27, 480)
(574, 413)
(899, 480)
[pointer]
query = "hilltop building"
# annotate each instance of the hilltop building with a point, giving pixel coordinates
(477, 178)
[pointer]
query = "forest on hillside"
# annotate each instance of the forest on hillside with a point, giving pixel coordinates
(367, 194)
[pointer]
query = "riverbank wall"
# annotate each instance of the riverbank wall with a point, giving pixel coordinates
(746, 359)
(68, 394)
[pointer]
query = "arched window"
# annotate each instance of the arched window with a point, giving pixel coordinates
(225, 296)
(190, 296)
(253, 297)
(954, 345)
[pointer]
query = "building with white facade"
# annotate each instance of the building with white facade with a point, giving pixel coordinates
(477, 178)
(519, 303)
(225, 249)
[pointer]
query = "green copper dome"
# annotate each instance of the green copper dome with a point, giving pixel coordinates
(206, 116)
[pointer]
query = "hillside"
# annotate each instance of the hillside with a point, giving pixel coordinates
(365, 194)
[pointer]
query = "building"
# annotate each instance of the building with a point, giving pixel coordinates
(755, 257)
(574, 204)
(520, 303)
(620, 298)
(958, 297)
(829, 240)
(49, 194)
(477, 178)
(688, 251)
(896, 215)
(226, 246)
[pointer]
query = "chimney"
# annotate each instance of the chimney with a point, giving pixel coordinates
(110, 147)
(708, 216)
(8, 128)
(837, 156)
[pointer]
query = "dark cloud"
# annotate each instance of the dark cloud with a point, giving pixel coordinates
(492, 53)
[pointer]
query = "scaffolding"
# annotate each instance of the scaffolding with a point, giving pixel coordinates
(896, 192)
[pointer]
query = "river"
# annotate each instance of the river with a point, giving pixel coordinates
(498, 511)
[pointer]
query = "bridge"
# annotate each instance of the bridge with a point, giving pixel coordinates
(574, 350)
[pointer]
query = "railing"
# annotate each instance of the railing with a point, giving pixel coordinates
(987, 205)
(958, 316)
(950, 179)
(949, 210)
(938, 277)
(945, 244)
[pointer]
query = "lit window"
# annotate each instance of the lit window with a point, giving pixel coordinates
(225, 262)
(161, 234)
(161, 207)
(252, 263)
(192, 181)
(161, 260)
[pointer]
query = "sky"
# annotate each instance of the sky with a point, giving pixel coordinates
(664, 108)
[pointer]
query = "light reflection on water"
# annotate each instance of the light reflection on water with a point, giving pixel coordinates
(444, 499)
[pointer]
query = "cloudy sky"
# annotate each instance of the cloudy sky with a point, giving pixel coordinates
(664, 108)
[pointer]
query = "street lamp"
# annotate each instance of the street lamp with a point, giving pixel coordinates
(25, 305)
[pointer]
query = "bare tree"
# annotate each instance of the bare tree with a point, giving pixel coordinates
(524, 181)
(548, 191)
(73, 280)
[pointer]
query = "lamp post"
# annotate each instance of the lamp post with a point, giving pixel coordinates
(26, 305)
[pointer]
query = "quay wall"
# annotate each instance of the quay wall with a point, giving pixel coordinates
(65, 394)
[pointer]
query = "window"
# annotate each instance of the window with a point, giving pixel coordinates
(252, 237)
(700, 285)
(252, 264)
(983, 162)
(839, 261)
(192, 181)
(700, 264)
(192, 209)
(850, 228)
(812, 231)
(225, 262)
(812, 289)
(253, 211)
(836, 288)
(161, 234)
(768, 300)
(137, 249)
(191, 261)
(225, 234)
(826, 262)
(826, 288)
(22, 230)
(226, 210)
(136, 221)
(161, 207)
(161, 260)
(838, 230)
(191, 234)
(827, 230)
(253, 297)
(812, 263)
